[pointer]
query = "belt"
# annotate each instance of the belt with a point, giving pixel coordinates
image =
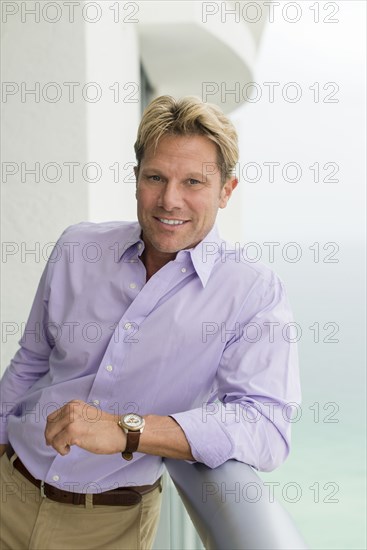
(123, 496)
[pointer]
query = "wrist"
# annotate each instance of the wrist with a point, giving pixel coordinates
(120, 438)
(132, 425)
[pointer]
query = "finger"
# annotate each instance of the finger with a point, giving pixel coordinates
(53, 430)
(52, 417)
(54, 427)
(61, 442)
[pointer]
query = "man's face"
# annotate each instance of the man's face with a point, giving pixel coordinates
(179, 192)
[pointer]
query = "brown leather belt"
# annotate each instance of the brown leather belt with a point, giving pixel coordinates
(123, 496)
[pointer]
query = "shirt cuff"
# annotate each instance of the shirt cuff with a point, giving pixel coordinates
(209, 442)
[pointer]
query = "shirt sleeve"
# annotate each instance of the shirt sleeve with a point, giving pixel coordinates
(31, 361)
(258, 391)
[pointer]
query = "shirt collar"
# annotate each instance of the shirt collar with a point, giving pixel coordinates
(131, 244)
(203, 255)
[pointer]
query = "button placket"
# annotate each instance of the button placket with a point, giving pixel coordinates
(141, 306)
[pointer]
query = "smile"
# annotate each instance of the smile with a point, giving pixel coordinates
(171, 222)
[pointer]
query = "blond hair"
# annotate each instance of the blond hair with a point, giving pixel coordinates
(188, 116)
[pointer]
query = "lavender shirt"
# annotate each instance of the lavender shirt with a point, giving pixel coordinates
(208, 340)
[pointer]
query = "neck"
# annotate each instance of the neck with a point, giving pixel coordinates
(154, 261)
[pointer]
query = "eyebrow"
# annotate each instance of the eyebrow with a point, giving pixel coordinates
(190, 175)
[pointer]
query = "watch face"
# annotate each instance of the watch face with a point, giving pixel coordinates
(133, 421)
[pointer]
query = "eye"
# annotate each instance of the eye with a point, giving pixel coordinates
(192, 181)
(154, 178)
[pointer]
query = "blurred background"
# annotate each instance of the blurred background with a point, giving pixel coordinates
(291, 75)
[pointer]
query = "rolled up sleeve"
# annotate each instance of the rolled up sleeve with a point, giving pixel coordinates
(258, 390)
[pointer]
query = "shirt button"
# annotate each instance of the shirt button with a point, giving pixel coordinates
(55, 478)
(183, 270)
(127, 326)
(95, 401)
(140, 246)
(132, 285)
(109, 368)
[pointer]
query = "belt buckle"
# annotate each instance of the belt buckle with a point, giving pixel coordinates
(42, 489)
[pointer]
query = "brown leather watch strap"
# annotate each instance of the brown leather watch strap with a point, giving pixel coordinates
(132, 444)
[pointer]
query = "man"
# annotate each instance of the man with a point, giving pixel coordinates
(145, 340)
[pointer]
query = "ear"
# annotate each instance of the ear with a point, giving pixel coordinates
(226, 191)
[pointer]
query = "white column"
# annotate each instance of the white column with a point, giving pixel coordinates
(113, 63)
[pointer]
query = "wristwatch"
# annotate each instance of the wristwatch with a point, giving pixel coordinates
(133, 425)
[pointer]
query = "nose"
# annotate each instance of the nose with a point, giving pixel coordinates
(170, 197)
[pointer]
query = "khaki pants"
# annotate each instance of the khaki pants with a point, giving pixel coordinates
(29, 521)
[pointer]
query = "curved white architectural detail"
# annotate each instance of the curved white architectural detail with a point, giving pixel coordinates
(197, 48)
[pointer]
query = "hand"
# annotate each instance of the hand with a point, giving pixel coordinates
(78, 423)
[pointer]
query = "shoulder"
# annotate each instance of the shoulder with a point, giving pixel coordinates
(249, 284)
(88, 241)
(242, 266)
(103, 236)
(103, 231)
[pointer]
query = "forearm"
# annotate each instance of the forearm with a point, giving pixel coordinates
(76, 424)
(163, 436)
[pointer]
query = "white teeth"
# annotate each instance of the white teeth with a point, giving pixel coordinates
(171, 222)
